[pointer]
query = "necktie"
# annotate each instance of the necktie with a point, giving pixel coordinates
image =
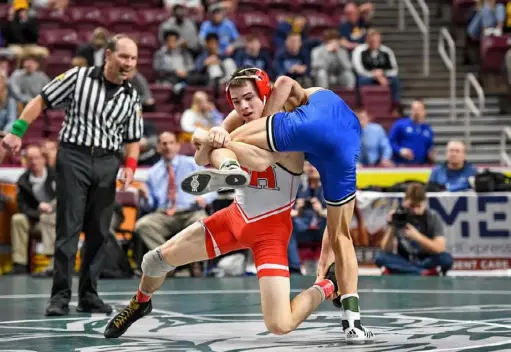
(171, 196)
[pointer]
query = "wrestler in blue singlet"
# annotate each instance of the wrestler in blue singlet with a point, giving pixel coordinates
(328, 132)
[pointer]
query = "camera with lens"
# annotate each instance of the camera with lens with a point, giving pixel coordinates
(401, 217)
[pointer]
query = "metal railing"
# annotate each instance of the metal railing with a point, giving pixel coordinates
(505, 136)
(422, 24)
(470, 106)
(449, 60)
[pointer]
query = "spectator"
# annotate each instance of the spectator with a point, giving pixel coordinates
(36, 199)
(418, 246)
(49, 149)
(224, 28)
(331, 64)
(202, 114)
(376, 64)
(8, 109)
(375, 145)
(194, 5)
(173, 209)
(488, 19)
(188, 34)
(172, 64)
(354, 28)
(26, 83)
(456, 172)
(411, 138)
(293, 61)
(212, 64)
(22, 32)
(142, 87)
(309, 215)
(253, 56)
(94, 51)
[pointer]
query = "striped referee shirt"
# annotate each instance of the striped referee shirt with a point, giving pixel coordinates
(94, 119)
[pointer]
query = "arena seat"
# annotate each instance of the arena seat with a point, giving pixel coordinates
(493, 50)
(187, 149)
(288, 5)
(348, 95)
(51, 19)
(58, 62)
(460, 11)
(86, 18)
(319, 22)
(152, 18)
(252, 5)
(163, 121)
(122, 19)
(161, 93)
(4, 10)
(376, 100)
(255, 22)
(59, 39)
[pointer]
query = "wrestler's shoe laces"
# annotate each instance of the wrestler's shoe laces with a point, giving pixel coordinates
(122, 321)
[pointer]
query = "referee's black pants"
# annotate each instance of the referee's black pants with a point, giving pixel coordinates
(86, 184)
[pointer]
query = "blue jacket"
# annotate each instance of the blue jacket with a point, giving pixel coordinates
(453, 180)
(418, 137)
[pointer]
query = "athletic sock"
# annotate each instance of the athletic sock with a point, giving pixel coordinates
(142, 296)
(325, 287)
(229, 164)
(350, 306)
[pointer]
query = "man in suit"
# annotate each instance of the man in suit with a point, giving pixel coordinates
(36, 200)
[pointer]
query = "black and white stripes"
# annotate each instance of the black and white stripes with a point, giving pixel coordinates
(93, 117)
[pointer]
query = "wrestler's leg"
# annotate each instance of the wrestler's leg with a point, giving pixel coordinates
(282, 316)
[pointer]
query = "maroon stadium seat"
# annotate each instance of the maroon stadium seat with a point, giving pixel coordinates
(161, 93)
(187, 149)
(348, 95)
(152, 18)
(288, 5)
(255, 22)
(121, 19)
(4, 10)
(376, 100)
(163, 121)
(86, 18)
(460, 10)
(59, 39)
(319, 22)
(493, 50)
(49, 18)
(252, 5)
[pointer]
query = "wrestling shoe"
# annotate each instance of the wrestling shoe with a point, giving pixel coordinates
(354, 332)
(122, 321)
(212, 180)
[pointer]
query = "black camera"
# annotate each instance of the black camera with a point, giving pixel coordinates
(401, 217)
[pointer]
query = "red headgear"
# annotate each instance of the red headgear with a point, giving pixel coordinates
(262, 83)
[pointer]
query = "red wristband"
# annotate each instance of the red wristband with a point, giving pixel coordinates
(131, 163)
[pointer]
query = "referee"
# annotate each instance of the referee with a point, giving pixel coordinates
(103, 113)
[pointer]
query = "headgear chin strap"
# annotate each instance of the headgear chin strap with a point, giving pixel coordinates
(262, 82)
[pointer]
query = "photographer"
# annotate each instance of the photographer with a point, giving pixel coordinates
(417, 234)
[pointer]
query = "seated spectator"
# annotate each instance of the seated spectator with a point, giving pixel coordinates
(202, 114)
(411, 138)
(8, 109)
(171, 63)
(49, 149)
(188, 34)
(353, 29)
(36, 199)
(375, 63)
(142, 86)
(172, 208)
(456, 172)
(309, 215)
(21, 32)
(195, 5)
(293, 61)
(94, 51)
(224, 28)
(375, 145)
(212, 64)
(27, 82)
(416, 247)
(253, 56)
(488, 19)
(331, 64)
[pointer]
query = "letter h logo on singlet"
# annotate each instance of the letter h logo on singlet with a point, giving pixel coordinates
(263, 179)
